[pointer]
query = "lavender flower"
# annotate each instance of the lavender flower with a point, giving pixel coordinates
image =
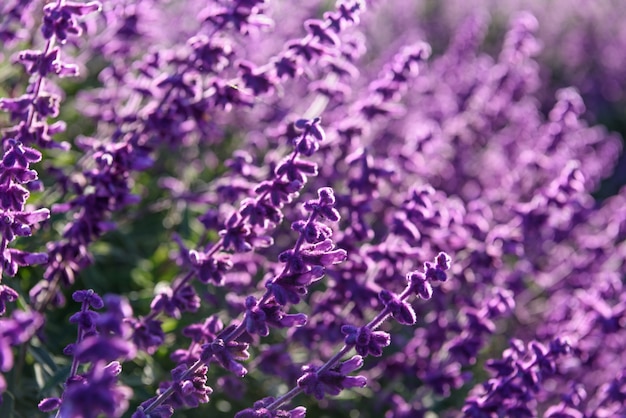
(17, 221)
(333, 381)
(517, 379)
(102, 339)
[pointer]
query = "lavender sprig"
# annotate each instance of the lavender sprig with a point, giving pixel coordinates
(518, 379)
(101, 341)
(289, 178)
(331, 377)
(304, 265)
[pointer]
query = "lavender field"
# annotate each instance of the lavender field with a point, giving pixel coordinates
(296, 208)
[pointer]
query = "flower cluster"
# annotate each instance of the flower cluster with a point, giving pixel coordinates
(517, 381)
(102, 341)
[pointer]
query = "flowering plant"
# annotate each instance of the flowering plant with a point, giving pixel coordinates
(248, 208)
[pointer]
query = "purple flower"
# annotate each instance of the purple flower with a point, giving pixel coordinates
(365, 341)
(333, 381)
(173, 303)
(402, 311)
(236, 234)
(96, 348)
(88, 298)
(60, 19)
(258, 318)
(95, 393)
(189, 390)
(147, 334)
(289, 288)
(210, 268)
(49, 404)
(15, 219)
(227, 355)
(518, 380)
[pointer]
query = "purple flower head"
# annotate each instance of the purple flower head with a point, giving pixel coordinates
(324, 205)
(257, 81)
(322, 253)
(16, 258)
(419, 282)
(115, 321)
(18, 155)
(211, 268)
(347, 14)
(102, 337)
(97, 392)
(420, 285)
(88, 297)
(60, 19)
(243, 16)
(209, 55)
(206, 331)
(277, 318)
(518, 380)
(318, 28)
(15, 219)
(86, 320)
(296, 170)
(280, 191)
(313, 255)
(227, 355)
(258, 318)
(173, 303)
(289, 288)
(402, 311)
(366, 342)
(261, 213)
(190, 390)
(97, 348)
(49, 404)
(255, 318)
(147, 334)
(332, 381)
(435, 273)
(287, 67)
(236, 234)
(313, 232)
(38, 62)
(313, 134)
(308, 50)
(559, 346)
